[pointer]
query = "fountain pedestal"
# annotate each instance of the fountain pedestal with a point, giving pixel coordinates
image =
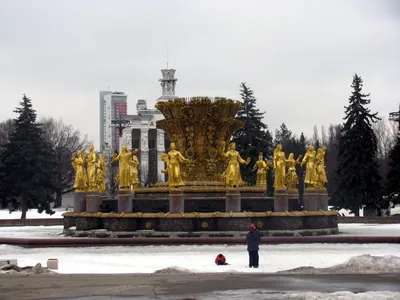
(293, 199)
(311, 199)
(93, 202)
(79, 201)
(125, 201)
(176, 201)
(323, 199)
(281, 200)
(233, 200)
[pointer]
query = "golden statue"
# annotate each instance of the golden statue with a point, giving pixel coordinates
(135, 166)
(262, 169)
(321, 173)
(101, 174)
(172, 160)
(292, 180)
(78, 163)
(311, 168)
(124, 178)
(91, 169)
(279, 168)
(232, 174)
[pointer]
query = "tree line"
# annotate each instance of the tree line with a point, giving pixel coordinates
(363, 152)
(35, 160)
(362, 159)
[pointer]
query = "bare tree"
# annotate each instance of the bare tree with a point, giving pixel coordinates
(386, 136)
(324, 137)
(65, 141)
(315, 139)
(6, 128)
(332, 156)
(144, 177)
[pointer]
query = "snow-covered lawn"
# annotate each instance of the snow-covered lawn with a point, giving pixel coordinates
(147, 259)
(56, 231)
(31, 214)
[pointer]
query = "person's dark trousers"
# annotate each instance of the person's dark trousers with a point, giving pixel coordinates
(253, 259)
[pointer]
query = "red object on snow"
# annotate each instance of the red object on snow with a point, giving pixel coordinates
(220, 260)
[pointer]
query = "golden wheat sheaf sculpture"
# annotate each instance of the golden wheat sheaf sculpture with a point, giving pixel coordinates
(201, 128)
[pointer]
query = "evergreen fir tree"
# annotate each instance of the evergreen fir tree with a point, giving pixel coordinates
(283, 135)
(28, 165)
(254, 137)
(392, 186)
(358, 174)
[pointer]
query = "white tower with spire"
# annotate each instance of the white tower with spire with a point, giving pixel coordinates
(168, 83)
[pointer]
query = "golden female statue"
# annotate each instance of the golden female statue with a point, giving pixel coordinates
(172, 160)
(279, 168)
(91, 169)
(124, 171)
(262, 169)
(80, 184)
(311, 168)
(101, 174)
(135, 166)
(232, 174)
(292, 180)
(321, 173)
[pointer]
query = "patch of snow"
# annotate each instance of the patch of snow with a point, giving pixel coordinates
(198, 259)
(369, 229)
(31, 214)
(362, 264)
(270, 295)
(32, 232)
(14, 269)
(173, 270)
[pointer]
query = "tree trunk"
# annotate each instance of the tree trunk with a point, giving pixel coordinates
(357, 211)
(58, 201)
(24, 208)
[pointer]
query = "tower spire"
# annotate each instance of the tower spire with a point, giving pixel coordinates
(167, 55)
(168, 83)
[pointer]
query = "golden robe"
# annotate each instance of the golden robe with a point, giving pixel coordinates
(232, 173)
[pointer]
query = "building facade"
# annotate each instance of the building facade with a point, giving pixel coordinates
(141, 132)
(113, 105)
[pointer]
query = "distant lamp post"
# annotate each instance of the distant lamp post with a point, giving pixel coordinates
(120, 124)
(395, 117)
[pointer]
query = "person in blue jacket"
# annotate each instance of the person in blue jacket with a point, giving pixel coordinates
(253, 238)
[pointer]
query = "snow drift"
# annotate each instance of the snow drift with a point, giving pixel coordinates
(270, 295)
(366, 264)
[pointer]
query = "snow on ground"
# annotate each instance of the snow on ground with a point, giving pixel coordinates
(369, 229)
(265, 294)
(32, 232)
(359, 264)
(31, 214)
(56, 231)
(147, 259)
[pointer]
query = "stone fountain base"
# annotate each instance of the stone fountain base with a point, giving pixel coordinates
(202, 222)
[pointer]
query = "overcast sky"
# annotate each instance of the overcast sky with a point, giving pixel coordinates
(298, 56)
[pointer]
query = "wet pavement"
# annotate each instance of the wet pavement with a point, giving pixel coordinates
(185, 287)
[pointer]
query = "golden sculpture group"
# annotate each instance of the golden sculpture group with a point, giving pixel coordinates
(315, 177)
(200, 130)
(90, 172)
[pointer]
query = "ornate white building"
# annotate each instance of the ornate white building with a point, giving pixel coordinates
(141, 133)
